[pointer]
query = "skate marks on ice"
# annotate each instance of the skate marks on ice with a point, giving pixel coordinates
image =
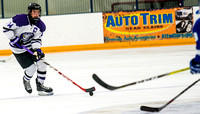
(35, 96)
(181, 107)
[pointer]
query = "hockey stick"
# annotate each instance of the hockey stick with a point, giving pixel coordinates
(157, 109)
(110, 87)
(90, 90)
(7, 59)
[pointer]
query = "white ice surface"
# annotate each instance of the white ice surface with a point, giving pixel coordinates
(116, 67)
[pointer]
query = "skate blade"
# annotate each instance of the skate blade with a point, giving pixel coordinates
(42, 93)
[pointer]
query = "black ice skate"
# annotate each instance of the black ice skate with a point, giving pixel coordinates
(27, 86)
(42, 90)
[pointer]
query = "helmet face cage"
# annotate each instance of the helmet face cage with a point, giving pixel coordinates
(34, 6)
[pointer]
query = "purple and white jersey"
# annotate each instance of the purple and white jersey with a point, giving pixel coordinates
(30, 35)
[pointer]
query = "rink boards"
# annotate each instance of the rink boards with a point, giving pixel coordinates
(111, 30)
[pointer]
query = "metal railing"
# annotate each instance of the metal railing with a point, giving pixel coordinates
(145, 4)
(9, 8)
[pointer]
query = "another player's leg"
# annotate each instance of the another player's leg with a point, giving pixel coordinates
(41, 76)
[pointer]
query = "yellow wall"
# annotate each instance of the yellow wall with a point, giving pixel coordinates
(121, 45)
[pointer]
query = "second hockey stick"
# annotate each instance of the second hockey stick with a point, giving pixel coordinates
(110, 87)
(158, 109)
(7, 59)
(89, 90)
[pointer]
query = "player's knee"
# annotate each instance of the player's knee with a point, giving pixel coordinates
(41, 66)
(30, 70)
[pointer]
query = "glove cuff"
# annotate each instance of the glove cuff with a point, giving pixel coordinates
(37, 49)
(14, 40)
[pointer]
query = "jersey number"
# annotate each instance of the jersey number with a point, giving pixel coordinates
(10, 25)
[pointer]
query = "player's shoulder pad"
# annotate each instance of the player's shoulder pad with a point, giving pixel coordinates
(20, 19)
(40, 24)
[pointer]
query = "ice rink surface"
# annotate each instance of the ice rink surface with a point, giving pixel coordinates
(116, 67)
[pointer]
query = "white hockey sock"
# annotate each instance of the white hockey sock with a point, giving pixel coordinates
(26, 77)
(29, 72)
(41, 76)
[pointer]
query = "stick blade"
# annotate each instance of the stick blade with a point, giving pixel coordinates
(90, 89)
(102, 83)
(149, 109)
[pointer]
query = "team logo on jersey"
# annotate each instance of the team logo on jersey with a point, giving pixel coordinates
(35, 29)
(26, 37)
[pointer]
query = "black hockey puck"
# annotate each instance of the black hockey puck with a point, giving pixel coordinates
(91, 93)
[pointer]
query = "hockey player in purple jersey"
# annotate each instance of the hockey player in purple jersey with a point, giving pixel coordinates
(195, 62)
(27, 30)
